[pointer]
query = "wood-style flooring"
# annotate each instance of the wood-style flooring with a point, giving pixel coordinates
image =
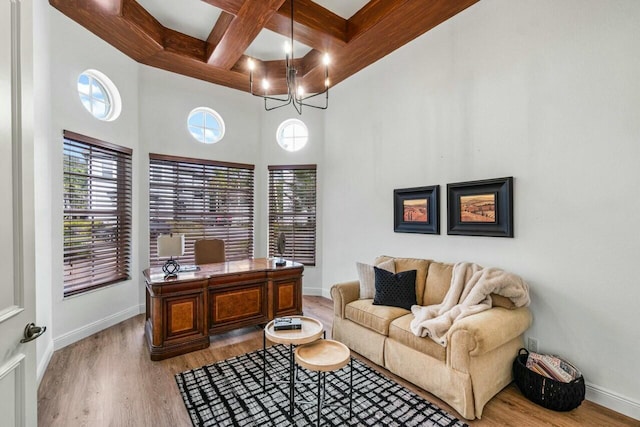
(108, 379)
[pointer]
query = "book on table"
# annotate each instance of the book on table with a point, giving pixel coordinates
(287, 323)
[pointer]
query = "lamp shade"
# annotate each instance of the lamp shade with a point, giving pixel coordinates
(170, 245)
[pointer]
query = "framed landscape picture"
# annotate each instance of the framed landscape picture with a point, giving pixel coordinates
(416, 210)
(481, 208)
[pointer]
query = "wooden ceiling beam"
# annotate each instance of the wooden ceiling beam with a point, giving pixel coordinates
(184, 45)
(378, 29)
(142, 23)
(192, 67)
(229, 6)
(371, 15)
(387, 32)
(130, 29)
(219, 30)
(106, 7)
(248, 23)
(314, 26)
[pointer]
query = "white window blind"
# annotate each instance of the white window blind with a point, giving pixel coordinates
(97, 213)
(201, 199)
(292, 211)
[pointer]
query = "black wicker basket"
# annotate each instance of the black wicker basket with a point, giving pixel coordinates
(545, 391)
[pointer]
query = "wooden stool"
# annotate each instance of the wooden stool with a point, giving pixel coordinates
(324, 356)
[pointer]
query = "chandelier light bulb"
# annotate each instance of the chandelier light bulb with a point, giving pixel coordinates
(326, 59)
(287, 47)
(326, 82)
(251, 64)
(265, 84)
(300, 91)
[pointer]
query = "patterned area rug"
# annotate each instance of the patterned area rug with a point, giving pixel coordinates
(229, 393)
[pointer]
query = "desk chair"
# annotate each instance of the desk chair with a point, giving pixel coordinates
(208, 251)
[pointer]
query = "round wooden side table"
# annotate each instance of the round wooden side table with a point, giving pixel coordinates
(324, 356)
(312, 329)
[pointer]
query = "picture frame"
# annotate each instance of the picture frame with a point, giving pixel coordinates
(417, 210)
(481, 208)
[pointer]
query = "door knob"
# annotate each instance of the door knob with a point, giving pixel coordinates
(31, 332)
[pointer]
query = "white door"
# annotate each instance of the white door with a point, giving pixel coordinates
(17, 299)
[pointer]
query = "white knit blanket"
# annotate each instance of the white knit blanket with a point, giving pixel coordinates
(471, 286)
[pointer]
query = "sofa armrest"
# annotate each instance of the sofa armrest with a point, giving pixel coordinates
(342, 294)
(485, 331)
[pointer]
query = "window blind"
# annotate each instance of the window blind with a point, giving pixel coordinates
(201, 199)
(292, 211)
(97, 213)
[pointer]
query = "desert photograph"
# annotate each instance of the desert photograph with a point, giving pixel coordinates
(415, 210)
(478, 208)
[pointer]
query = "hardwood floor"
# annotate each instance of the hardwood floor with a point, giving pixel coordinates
(108, 379)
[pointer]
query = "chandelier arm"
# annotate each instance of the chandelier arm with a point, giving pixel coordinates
(267, 108)
(304, 98)
(272, 98)
(319, 107)
(297, 106)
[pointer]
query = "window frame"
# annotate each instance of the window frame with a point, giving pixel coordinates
(294, 146)
(301, 238)
(113, 102)
(227, 212)
(107, 262)
(216, 116)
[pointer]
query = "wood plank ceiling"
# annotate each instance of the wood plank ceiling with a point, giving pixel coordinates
(376, 30)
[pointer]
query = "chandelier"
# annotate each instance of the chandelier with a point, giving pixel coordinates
(296, 94)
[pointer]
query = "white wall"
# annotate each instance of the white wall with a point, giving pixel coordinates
(547, 92)
(74, 50)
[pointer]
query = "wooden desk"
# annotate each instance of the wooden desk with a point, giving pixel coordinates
(183, 312)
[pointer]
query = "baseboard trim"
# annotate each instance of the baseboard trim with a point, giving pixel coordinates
(82, 332)
(613, 401)
(312, 291)
(317, 292)
(44, 362)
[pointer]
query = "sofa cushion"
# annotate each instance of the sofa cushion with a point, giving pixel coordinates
(400, 331)
(374, 317)
(395, 290)
(437, 283)
(367, 277)
(404, 264)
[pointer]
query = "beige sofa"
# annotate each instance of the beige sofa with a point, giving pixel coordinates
(475, 365)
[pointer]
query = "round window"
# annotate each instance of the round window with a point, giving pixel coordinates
(292, 135)
(99, 95)
(205, 125)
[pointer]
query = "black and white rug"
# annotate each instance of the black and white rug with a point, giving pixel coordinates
(230, 393)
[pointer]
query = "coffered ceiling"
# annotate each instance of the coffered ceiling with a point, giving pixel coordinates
(212, 39)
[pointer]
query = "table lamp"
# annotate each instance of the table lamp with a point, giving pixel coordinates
(171, 245)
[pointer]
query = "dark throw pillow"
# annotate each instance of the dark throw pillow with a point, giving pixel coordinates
(395, 290)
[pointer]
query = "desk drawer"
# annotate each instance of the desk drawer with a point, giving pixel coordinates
(231, 307)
